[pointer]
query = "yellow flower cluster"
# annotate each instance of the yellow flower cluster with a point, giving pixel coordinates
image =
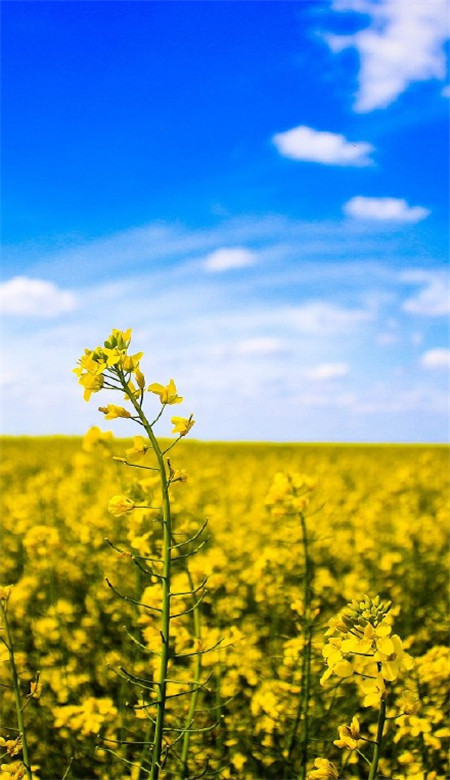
(94, 362)
(86, 718)
(349, 736)
(361, 643)
(324, 770)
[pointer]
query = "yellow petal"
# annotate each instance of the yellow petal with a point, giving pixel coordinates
(385, 645)
(343, 669)
(383, 629)
(389, 670)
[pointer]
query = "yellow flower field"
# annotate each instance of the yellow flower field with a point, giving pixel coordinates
(378, 524)
(231, 610)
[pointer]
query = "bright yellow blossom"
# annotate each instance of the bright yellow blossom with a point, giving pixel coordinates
(349, 735)
(13, 746)
(119, 338)
(139, 448)
(182, 425)
(120, 505)
(131, 362)
(140, 378)
(111, 411)
(92, 383)
(13, 771)
(374, 690)
(167, 393)
(325, 770)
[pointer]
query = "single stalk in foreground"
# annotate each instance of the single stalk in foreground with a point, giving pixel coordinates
(112, 368)
(166, 577)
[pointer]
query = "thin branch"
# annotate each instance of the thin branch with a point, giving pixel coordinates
(129, 599)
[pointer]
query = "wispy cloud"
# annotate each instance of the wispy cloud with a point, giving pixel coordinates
(305, 143)
(326, 371)
(326, 317)
(228, 259)
(402, 44)
(433, 299)
(436, 359)
(384, 209)
(26, 297)
(264, 345)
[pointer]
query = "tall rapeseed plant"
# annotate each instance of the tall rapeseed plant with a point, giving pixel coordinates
(111, 367)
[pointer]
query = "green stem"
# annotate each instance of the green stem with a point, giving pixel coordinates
(17, 696)
(166, 576)
(377, 748)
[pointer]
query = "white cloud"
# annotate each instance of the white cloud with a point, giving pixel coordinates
(28, 297)
(384, 209)
(323, 317)
(433, 300)
(263, 345)
(436, 358)
(446, 91)
(326, 371)
(229, 258)
(305, 143)
(403, 44)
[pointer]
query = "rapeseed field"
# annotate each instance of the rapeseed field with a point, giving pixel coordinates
(179, 609)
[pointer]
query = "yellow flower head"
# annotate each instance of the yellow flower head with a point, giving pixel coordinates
(358, 614)
(167, 393)
(5, 592)
(324, 770)
(348, 735)
(111, 411)
(13, 771)
(140, 378)
(182, 424)
(120, 505)
(119, 339)
(12, 746)
(139, 448)
(374, 690)
(409, 702)
(131, 362)
(92, 383)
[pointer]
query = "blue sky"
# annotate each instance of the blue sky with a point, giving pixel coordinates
(259, 189)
